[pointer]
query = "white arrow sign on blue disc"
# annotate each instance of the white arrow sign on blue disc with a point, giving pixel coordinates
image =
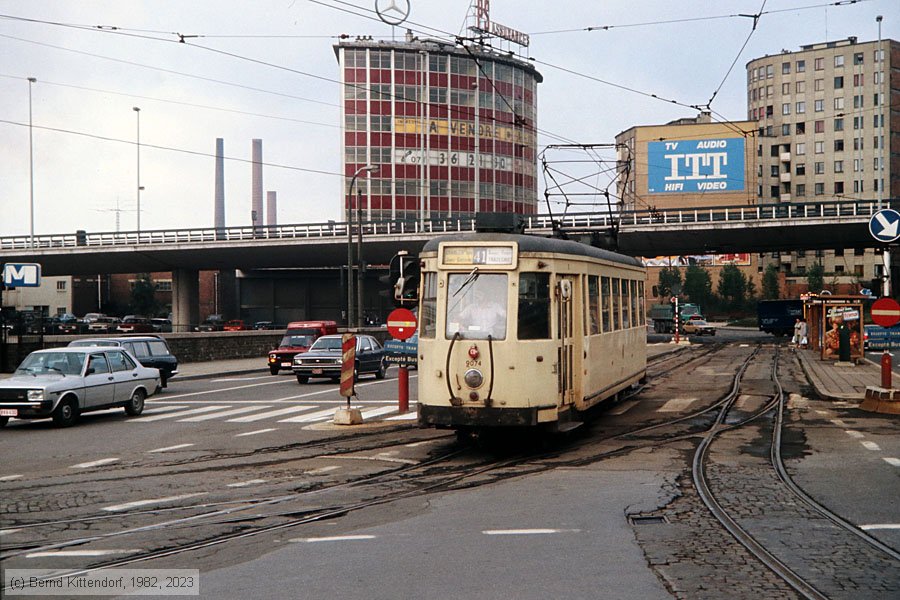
(885, 225)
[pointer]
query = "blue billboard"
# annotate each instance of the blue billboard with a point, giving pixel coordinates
(695, 166)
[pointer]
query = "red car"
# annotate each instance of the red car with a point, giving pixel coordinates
(235, 325)
(299, 336)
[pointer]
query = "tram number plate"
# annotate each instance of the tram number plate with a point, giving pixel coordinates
(9, 412)
(317, 371)
(473, 363)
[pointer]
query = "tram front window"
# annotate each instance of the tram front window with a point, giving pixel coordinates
(477, 305)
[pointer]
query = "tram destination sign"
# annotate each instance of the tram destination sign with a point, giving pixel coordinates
(478, 255)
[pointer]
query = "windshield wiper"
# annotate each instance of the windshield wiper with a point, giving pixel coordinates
(473, 275)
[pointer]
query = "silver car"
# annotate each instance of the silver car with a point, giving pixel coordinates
(62, 383)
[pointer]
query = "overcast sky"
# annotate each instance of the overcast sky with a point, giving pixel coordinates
(89, 78)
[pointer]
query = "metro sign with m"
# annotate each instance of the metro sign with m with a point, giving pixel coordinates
(22, 275)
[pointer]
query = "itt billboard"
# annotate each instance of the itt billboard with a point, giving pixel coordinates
(695, 166)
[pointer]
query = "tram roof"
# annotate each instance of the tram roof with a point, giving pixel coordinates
(532, 243)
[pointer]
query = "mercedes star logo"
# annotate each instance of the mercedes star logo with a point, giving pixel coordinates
(392, 12)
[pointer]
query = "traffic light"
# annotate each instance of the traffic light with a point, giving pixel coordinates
(402, 279)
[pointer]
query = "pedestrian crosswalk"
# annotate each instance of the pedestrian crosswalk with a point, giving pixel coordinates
(254, 413)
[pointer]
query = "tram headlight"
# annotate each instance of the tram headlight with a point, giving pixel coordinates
(473, 378)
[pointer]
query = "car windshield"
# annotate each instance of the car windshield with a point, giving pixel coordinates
(476, 306)
(326, 343)
(297, 340)
(66, 363)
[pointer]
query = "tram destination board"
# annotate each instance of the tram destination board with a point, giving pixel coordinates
(481, 255)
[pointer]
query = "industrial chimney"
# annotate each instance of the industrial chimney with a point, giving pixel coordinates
(271, 209)
(256, 216)
(219, 211)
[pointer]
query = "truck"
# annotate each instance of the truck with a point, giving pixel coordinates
(663, 315)
(778, 316)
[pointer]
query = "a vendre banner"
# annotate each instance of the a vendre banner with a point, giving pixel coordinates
(695, 166)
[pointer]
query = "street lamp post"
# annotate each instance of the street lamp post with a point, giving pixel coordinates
(31, 81)
(137, 112)
(350, 312)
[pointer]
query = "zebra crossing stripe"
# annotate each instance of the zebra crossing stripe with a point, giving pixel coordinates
(319, 415)
(410, 416)
(176, 415)
(219, 415)
(376, 412)
(159, 409)
(271, 413)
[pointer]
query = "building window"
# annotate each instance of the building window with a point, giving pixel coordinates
(879, 55)
(800, 87)
(839, 60)
(801, 66)
(60, 286)
(801, 148)
(858, 187)
(819, 168)
(800, 127)
(858, 270)
(773, 171)
(786, 108)
(819, 127)
(858, 79)
(839, 103)
(838, 145)
(819, 105)
(838, 268)
(774, 191)
(838, 187)
(839, 125)
(769, 91)
(820, 189)
(859, 252)
(858, 144)
(801, 108)
(770, 110)
(785, 88)
(876, 120)
(820, 147)
(838, 252)
(838, 166)
(785, 129)
(877, 76)
(819, 85)
(785, 68)
(857, 122)
(770, 71)
(801, 190)
(819, 64)
(858, 58)
(801, 169)
(839, 83)
(858, 101)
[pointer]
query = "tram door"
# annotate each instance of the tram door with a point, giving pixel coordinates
(565, 295)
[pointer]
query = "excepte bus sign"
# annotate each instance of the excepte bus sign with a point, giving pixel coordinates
(695, 166)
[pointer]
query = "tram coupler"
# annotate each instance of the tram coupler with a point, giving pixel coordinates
(886, 370)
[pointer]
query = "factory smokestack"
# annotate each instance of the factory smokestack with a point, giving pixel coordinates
(256, 215)
(220, 184)
(271, 209)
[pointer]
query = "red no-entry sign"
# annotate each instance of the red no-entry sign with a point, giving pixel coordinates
(886, 312)
(401, 323)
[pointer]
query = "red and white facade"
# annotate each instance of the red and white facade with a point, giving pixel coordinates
(426, 113)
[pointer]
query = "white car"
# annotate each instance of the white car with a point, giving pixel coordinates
(61, 383)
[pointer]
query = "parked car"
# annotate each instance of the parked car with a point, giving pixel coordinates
(91, 317)
(699, 327)
(234, 325)
(150, 350)
(133, 324)
(103, 325)
(265, 325)
(324, 359)
(161, 325)
(212, 323)
(59, 324)
(298, 337)
(62, 383)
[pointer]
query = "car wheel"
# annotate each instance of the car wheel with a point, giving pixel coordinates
(273, 370)
(302, 379)
(66, 413)
(356, 373)
(4, 421)
(382, 370)
(135, 406)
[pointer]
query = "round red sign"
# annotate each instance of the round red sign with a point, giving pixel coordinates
(401, 323)
(886, 312)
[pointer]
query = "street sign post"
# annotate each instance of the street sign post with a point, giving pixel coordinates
(886, 312)
(885, 225)
(401, 324)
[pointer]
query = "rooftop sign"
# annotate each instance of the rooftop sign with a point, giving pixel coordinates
(484, 24)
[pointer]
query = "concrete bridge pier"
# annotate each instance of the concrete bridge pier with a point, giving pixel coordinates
(185, 299)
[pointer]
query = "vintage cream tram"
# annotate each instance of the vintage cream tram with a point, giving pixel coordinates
(523, 331)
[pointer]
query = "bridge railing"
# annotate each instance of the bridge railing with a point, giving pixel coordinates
(536, 223)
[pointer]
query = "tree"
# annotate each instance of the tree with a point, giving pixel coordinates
(770, 287)
(732, 285)
(669, 278)
(143, 298)
(697, 284)
(815, 278)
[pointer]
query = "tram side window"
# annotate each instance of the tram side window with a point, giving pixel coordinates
(594, 304)
(616, 305)
(534, 306)
(635, 317)
(428, 306)
(606, 303)
(626, 305)
(643, 315)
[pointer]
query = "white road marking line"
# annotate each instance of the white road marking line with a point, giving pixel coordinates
(150, 409)
(321, 470)
(79, 553)
(880, 526)
(240, 379)
(377, 412)
(219, 415)
(127, 505)
(96, 463)
(177, 415)
(520, 531)
(8, 531)
(319, 415)
(258, 431)
(10, 477)
(855, 434)
(271, 413)
(337, 538)
(623, 408)
(167, 448)
(838, 422)
(871, 446)
(246, 483)
(409, 416)
(676, 405)
(422, 443)
(823, 412)
(327, 390)
(894, 462)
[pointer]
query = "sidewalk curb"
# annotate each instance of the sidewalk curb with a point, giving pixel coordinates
(818, 386)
